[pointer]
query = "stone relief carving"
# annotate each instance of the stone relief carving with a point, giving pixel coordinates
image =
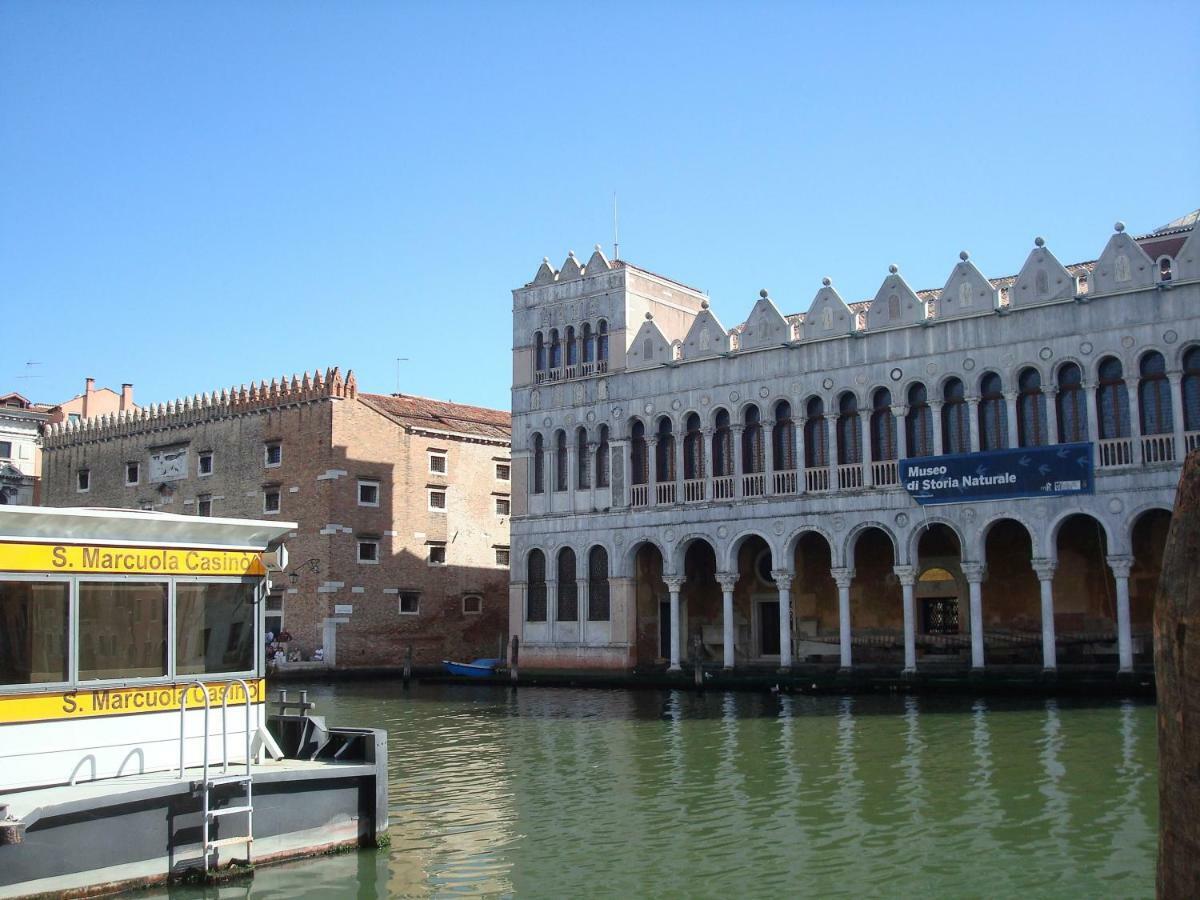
(1122, 268)
(964, 294)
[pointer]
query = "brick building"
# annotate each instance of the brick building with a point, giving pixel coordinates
(401, 504)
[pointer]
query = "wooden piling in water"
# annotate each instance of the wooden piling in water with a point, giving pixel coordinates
(512, 659)
(1177, 668)
(408, 658)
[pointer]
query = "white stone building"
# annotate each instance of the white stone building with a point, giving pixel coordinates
(750, 494)
(20, 450)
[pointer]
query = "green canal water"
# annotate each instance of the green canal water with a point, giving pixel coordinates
(573, 793)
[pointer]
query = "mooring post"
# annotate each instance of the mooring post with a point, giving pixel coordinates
(512, 659)
(408, 656)
(1177, 670)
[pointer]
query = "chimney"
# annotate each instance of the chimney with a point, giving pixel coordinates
(126, 398)
(89, 389)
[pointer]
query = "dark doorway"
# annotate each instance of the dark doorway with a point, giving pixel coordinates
(768, 627)
(664, 629)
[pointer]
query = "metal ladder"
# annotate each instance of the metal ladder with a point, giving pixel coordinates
(208, 781)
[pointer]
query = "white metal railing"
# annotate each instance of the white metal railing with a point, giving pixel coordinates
(884, 473)
(693, 490)
(639, 495)
(722, 487)
(1191, 441)
(754, 484)
(850, 476)
(1116, 452)
(816, 479)
(664, 493)
(1158, 448)
(785, 481)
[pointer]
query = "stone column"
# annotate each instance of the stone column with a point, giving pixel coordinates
(868, 475)
(768, 438)
(706, 461)
(1010, 404)
(1177, 418)
(572, 479)
(581, 605)
(735, 432)
(975, 573)
(551, 598)
(783, 583)
(1051, 405)
(1120, 566)
(674, 585)
(622, 612)
(901, 416)
(678, 442)
(908, 580)
(592, 473)
(843, 577)
(974, 428)
(935, 412)
(1135, 418)
(652, 471)
(1044, 569)
(801, 464)
(1093, 423)
(727, 583)
(831, 441)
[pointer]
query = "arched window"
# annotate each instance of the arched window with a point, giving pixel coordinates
(602, 458)
(849, 431)
(568, 587)
(602, 346)
(752, 442)
(1072, 405)
(722, 451)
(883, 426)
(539, 353)
(664, 453)
(783, 438)
(1031, 409)
(598, 585)
(919, 422)
(572, 347)
(555, 349)
(639, 472)
(993, 413)
(1191, 390)
(1164, 268)
(693, 449)
(1112, 398)
(583, 457)
(1154, 395)
(589, 346)
(535, 587)
(560, 460)
(816, 435)
(539, 465)
(955, 437)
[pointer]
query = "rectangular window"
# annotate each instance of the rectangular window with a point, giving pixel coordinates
(437, 500)
(204, 465)
(472, 605)
(132, 473)
(272, 454)
(437, 554)
(503, 471)
(368, 493)
(122, 629)
(204, 505)
(502, 506)
(34, 632)
(368, 551)
(271, 500)
(274, 615)
(437, 462)
(83, 482)
(214, 628)
(5, 449)
(502, 556)
(410, 603)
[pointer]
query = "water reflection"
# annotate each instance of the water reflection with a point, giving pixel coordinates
(610, 793)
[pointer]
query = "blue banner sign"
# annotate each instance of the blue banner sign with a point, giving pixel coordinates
(1054, 471)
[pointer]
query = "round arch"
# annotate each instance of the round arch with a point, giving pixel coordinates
(629, 555)
(914, 538)
(729, 561)
(856, 532)
(979, 548)
(794, 538)
(1134, 517)
(681, 547)
(1050, 547)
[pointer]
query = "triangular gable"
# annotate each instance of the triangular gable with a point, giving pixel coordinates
(766, 326)
(967, 291)
(895, 304)
(1042, 280)
(545, 274)
(597, 262)
(829, 316)
(1187, 260)
(706, 337)
(649, 348)
(570, 268)
(1123, 266)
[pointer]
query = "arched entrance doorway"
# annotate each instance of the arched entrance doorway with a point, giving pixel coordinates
(651, 600)
(1148, 540)
(1085, 594)
(876, 600)
(943, 621)
(700, 603)
(1012, 612)
(814, 600)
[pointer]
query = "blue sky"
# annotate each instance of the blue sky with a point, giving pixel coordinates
(200, 194)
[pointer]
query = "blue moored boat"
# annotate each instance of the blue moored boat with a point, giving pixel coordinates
(479, 668)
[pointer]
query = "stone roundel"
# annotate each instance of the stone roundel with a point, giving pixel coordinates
(570, 419)
(648, 408)
(969, 364)
(705, 400)
(1127, 341)
(901, 519)
(616, 413)
(897, 374)
(838, 523)
(968, 514)
(827, 384)
(591, 416)
(1115, 505)
(670, 536)
(1086, 348)
(547, 421)
(1045, 353)
(676, 404)
(1171, 336)
(734, 396)
(722, 532)
(764, 392)
(931, 368)
(778, 527)
(860, 378)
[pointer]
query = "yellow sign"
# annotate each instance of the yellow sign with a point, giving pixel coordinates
(86, 703)
(127, 560)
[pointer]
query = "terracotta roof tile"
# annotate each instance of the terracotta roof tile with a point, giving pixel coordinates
(440, 415)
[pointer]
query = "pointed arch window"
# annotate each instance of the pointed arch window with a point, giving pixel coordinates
(752, 442)
(993, 413)
(693, 449)
(588, 342)
(954, 418)
(918, 424)
(598, 585)
(1112, 398)
(1191, 389)
(572, 347)
(535, 587)
(539, 352)
(568, 587)
(602, 345)
(555, 350)
(849, 431)
(584, 458)
(539, 464)
(602, 458)
(883, 426)
(1154, 395)
(722, 452)
(783, 438)
(1031, 409)
(560, 460)
(664, 452)
(1072, 405)
(816, 435)
(639, 472)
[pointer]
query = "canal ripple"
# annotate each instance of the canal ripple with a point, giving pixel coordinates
(568, 793)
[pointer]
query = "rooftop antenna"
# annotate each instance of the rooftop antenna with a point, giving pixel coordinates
(29, 370)
(616, 235)
(399, 359)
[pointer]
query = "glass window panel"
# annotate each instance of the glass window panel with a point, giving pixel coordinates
(33, 632)
(122, 629)
(214, 628)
